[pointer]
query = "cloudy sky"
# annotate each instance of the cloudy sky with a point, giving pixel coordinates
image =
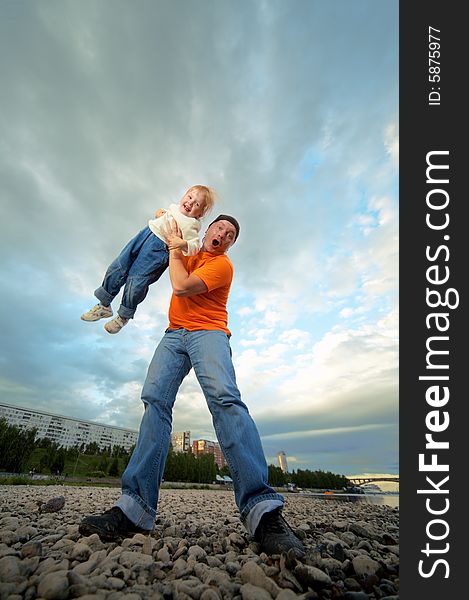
(289, 108)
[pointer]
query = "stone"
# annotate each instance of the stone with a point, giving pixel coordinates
(252, 573)
(253, 592)
(197, 552)
(210, 594)
(10, 523)
(93, 541)
(52, 505)
(340, 525)
(364, 565)
(330, 564)
(63, 544)
(348, 537)
(77, 590)
(114, 583)
(8, 537)
(10, 568)
(231, 567)
(89, 565)
(352, 584)
(30, 549)
(181, 568)
(129, 559)
(6, 550)
(117, 551)
(216, 577)
(53, 586)
(364, 545)
(26, 532)
(287, 595)
(163, 554)
(311, 576)
(29, 565)
(364, 530)
(7, 589)
(81, 552)
(389, 540)
(237, 540)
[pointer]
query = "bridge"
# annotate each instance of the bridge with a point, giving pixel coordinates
(362, 480)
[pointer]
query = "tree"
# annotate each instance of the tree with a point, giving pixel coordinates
(225, 471)
(57, 461)
(276, 476)
(169, 469)
(113, 470)
(207, 470)
(184, 466)
(126, 455)
(16, 446)
(45, 443)
(318, 479)
(92, 448)
(103, 464)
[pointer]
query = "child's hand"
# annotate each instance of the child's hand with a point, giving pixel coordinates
(160, 212)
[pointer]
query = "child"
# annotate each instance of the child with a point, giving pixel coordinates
(145, 258)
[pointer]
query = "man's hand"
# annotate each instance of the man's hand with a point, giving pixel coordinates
(173, 237)
(160, 212)
(182, 283)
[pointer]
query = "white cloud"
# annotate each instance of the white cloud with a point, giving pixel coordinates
(321, 432)
(391, 143)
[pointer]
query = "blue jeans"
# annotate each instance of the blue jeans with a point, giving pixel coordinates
(141, 263)
(209, 353)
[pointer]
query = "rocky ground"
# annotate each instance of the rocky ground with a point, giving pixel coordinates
(198, 550)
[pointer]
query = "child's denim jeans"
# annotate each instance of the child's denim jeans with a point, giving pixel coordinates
(141, 263)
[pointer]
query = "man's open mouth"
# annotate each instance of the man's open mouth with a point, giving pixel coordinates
(215, 243)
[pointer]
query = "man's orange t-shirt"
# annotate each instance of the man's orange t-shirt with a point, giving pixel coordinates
(207, 310)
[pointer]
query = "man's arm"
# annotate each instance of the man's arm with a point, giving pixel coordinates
(182, 283)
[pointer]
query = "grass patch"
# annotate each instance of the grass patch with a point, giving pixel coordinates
(27, 481)
(48, 482)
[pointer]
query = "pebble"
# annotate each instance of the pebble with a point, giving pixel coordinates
(198, 550)
(364, 565)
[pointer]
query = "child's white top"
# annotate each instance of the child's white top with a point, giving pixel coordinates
(189, 227)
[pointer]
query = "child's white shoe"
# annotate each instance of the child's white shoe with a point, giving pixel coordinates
(97, 312)
(116, 324)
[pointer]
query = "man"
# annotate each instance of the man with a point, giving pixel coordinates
(198, 338)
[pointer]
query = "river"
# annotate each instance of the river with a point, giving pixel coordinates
(385, 499)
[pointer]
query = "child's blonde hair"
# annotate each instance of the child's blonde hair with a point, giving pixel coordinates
(210, 197)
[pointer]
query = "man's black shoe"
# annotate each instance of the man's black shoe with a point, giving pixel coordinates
(111, 525)
(275, 535)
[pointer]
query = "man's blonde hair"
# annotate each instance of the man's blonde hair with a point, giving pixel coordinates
(210, 197)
